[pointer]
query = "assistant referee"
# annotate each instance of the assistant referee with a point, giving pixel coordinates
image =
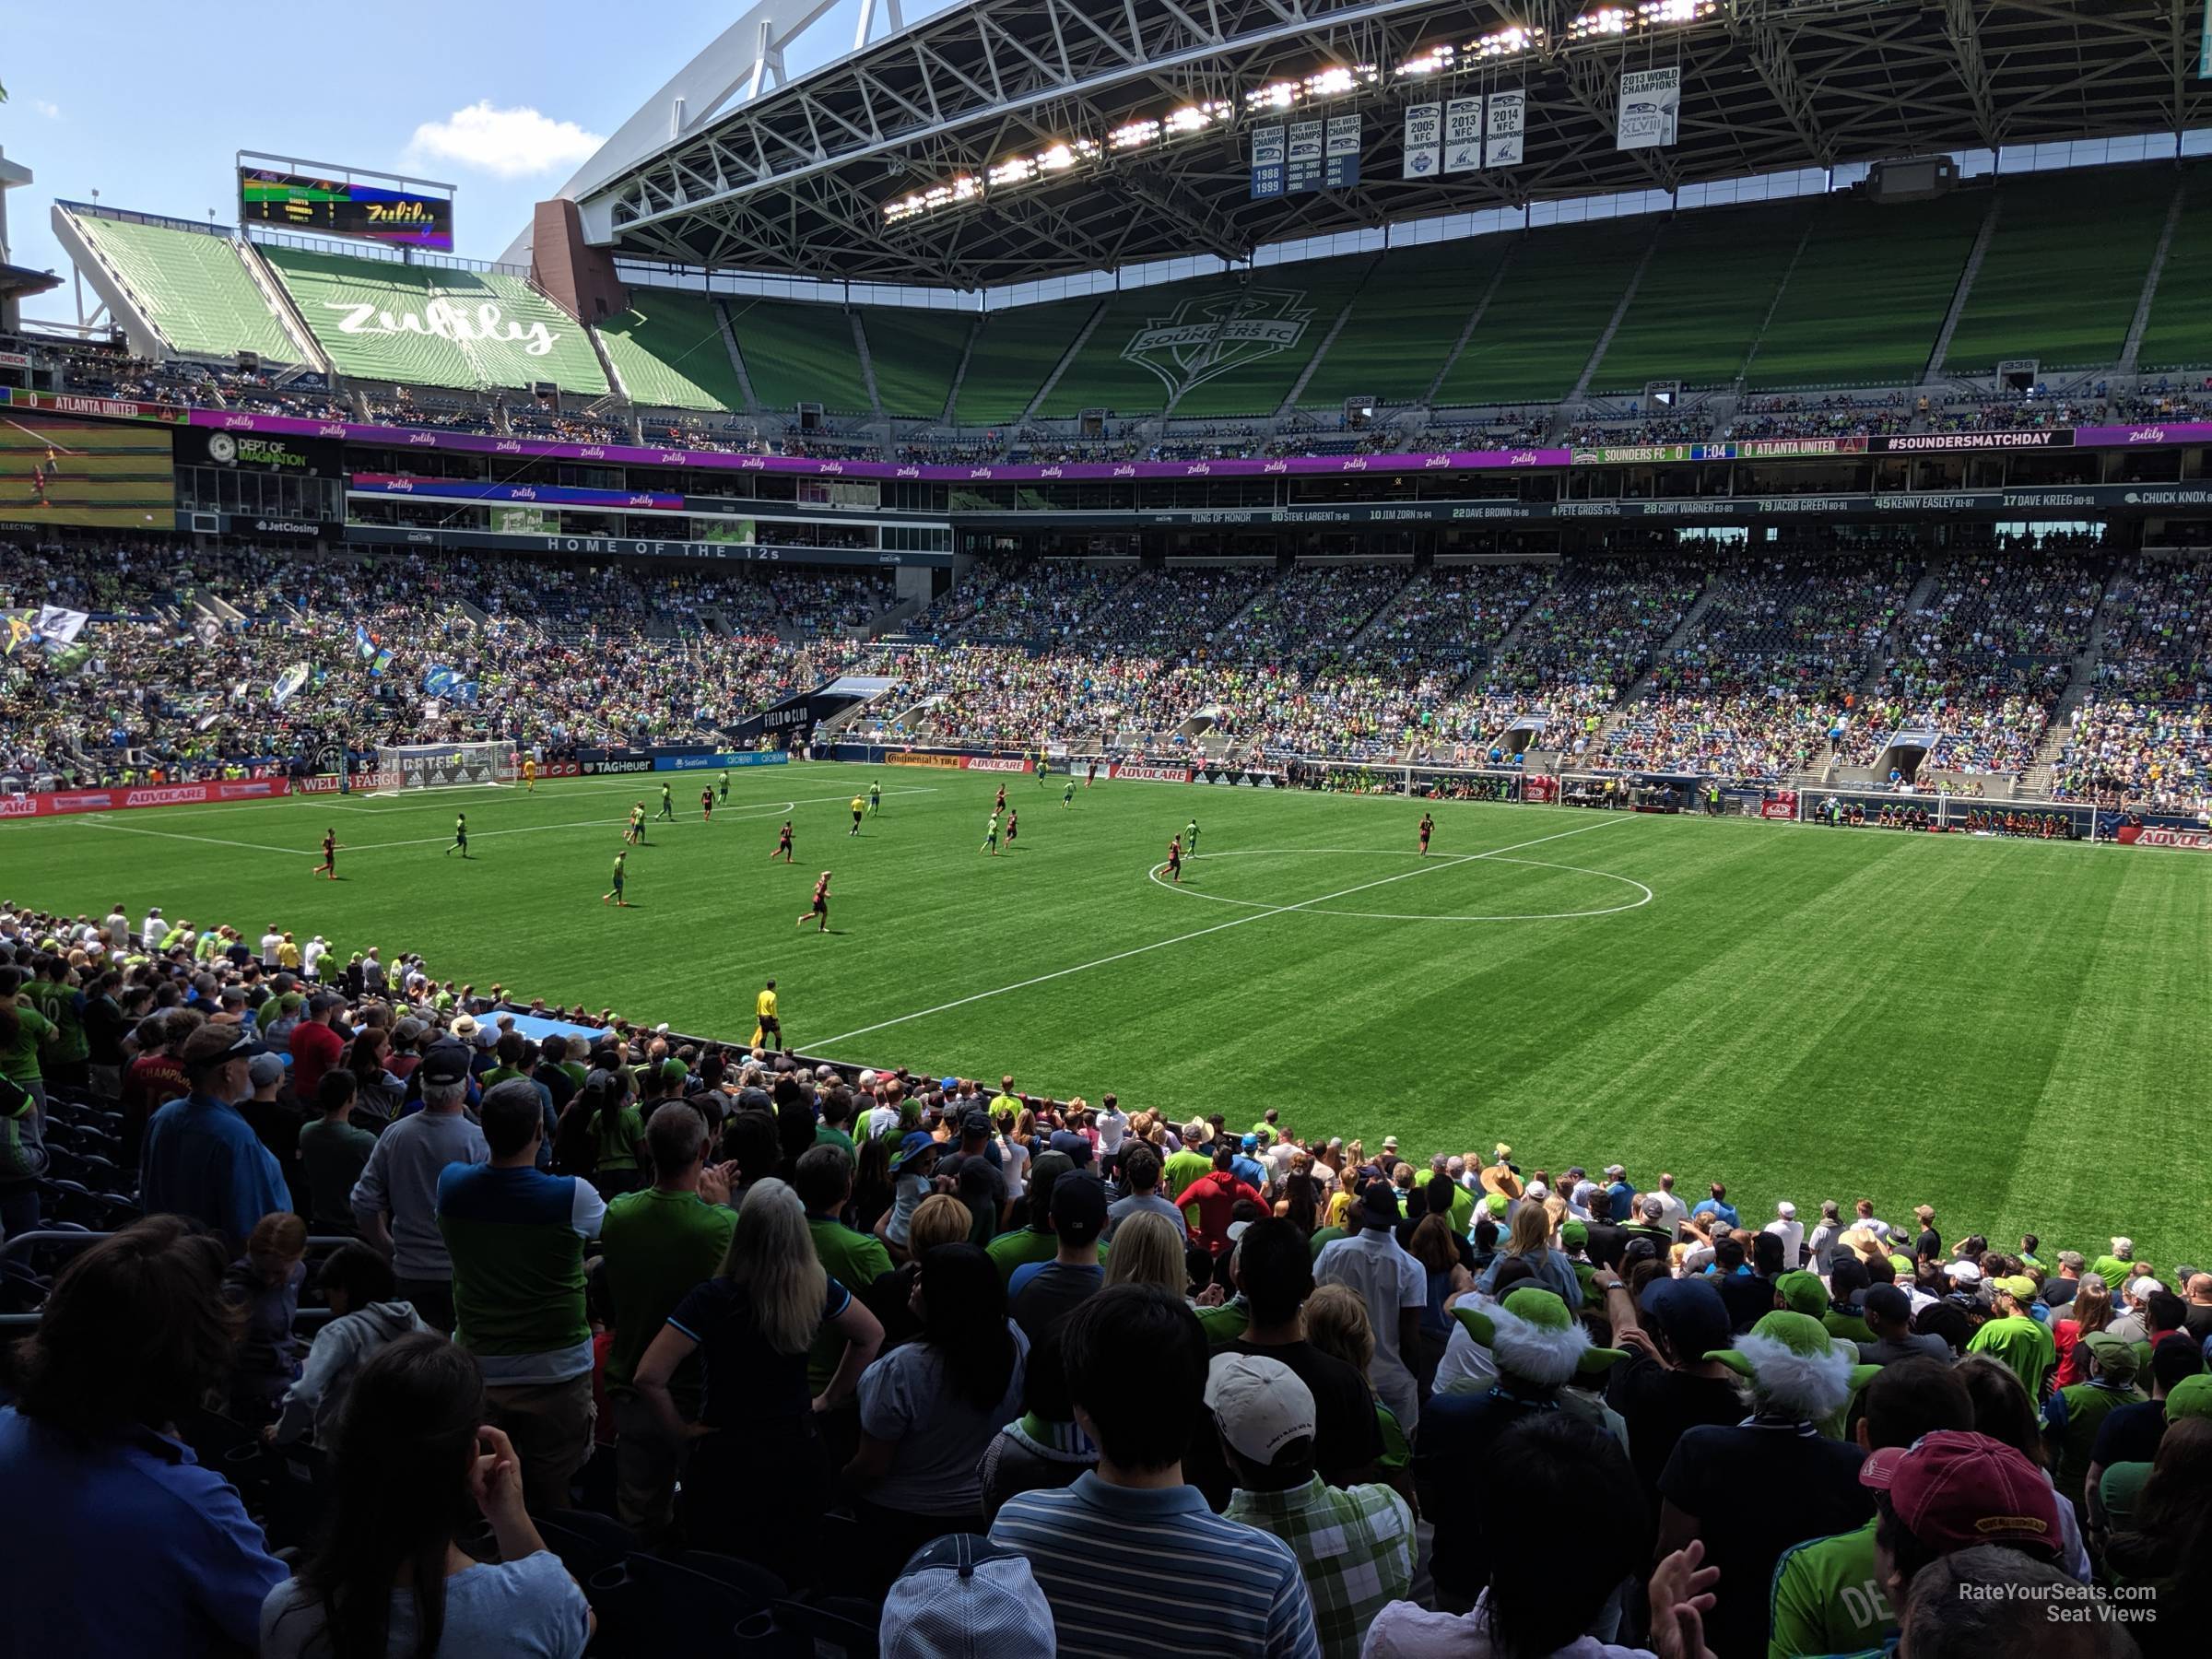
(770, 1034)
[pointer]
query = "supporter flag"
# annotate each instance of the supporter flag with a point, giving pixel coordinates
(380, 662)
(438, 681)
(364, 643)
(17, 628)
(59, 626)
(287, 685)
(1650, 101)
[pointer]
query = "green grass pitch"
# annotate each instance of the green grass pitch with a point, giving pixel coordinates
(2012, 1031)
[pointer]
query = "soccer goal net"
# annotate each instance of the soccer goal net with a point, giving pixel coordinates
(442, 766)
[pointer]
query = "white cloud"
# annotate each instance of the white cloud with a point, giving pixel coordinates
(47, 107)
(511, 144)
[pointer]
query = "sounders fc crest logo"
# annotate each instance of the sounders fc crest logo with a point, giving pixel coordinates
(1207, 338)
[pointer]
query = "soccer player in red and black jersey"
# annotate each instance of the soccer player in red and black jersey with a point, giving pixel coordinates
(821, 905)
(329, 866)
(1013, 828)
(1175, 860)
(706, 804)
(783, 844)
(1428, 824)
(1000, 804)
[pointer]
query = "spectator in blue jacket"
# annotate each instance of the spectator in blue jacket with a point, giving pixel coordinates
(202, 1158)
(135, 1334)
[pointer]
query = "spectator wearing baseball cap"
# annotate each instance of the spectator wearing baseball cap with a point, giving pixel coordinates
(1752, 1489)
(1354, 1546)
(1040, 1293)
(1373, 1264)
(395, 1200)
(1790, 1230)
(1665, 1385)
(2130, 1435)
(2016, 1336)
(1820, 1599)
(202, 1158)
(2119, 1495)
(1889, 1314)
(2072, 1415)
(1952, 1490)
(962, 1597)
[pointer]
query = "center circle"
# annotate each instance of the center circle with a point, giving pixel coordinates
(1635, 895)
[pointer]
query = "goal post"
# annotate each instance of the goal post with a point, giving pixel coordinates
(406, 768)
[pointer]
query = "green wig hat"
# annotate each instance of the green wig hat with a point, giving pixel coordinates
(1533, 1336)
(1793, 1363)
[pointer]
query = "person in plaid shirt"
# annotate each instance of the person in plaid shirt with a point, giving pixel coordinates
(1355, 1545)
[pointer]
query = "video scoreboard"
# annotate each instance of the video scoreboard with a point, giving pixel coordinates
(344, 207)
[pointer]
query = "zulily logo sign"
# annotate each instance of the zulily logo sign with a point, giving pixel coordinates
(460, 323)
(1207, 338)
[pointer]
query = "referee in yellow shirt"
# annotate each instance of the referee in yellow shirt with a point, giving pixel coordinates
(858, 807)
(769, 1032)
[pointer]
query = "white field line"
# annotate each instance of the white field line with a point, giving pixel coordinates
(1258, 915)
(735, 813)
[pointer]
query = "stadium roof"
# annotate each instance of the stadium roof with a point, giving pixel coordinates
(1006, 140)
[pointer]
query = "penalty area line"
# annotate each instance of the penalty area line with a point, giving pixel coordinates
(1259, 915)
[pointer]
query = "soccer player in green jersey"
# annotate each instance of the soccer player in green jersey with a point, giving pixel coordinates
(615, 896)
(1067, 792)
(726, 789)
(460, 835)
(991, 837)
(875, 797)
(635, 834)
(667, 807)
(1189, 837)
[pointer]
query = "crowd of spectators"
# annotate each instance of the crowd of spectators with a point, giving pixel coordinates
(2142, 735)
(449, 1313)
(1834, 414)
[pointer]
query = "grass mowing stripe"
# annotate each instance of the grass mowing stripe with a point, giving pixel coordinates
(1284, 910)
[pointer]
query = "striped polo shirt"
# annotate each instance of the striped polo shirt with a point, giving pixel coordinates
(1238, 1591)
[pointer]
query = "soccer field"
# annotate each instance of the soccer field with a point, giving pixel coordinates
(2013, 1031)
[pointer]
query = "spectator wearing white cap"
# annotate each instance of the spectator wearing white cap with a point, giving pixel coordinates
(1786, 1227)
(1354, 1546)
(962, 1597)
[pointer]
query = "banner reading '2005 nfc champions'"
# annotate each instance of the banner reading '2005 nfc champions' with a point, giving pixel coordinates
(1424, 141)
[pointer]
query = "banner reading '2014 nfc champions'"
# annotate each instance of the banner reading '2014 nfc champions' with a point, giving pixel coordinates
(1506, 116)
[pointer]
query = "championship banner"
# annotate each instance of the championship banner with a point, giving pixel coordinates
(56, 802)
(1462, 135)
(1651, 100)
(1424, 141)
(1507, 116)
(2143, 835)
(1303, 164)
(1267, 162)
(1340, 166)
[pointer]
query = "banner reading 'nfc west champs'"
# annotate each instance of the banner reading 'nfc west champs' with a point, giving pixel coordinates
(1462, 135)
(1303, 171)
(1266, 161)
(1424, 141)
(1651, 100)
(1341, 169)
(1503, 146)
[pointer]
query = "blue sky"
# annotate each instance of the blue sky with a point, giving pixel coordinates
(502, 99)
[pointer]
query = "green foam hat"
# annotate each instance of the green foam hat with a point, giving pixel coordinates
(1792, 1362)
(1532, 1336)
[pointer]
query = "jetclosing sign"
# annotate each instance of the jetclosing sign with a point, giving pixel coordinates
(1650, 102)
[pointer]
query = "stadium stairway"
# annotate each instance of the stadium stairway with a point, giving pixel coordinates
(1467, 332)
(1075, 347)
(2039, 773)
(1972, 268)
(1605, 340)
(1507, 642)
(1297, 387)
(1631, 700)
(948, 415)
(867, 362)
(2140, 325)
(1877, 659)
(729, 344)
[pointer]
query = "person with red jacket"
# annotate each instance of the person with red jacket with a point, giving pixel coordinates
(1216, 1193)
